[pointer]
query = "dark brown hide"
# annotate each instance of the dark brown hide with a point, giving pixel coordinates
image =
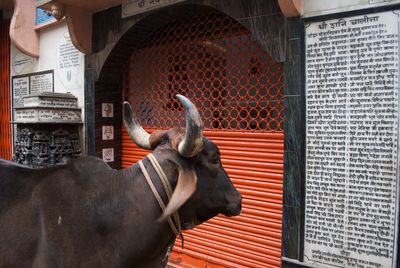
(86, 214)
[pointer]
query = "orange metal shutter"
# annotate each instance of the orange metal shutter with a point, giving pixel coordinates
(254, 162)
(5, 112)
(237, 88)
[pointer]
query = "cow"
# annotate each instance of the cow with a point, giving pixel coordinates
(86, 214)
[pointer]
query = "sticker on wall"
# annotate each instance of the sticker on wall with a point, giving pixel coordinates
(108, 154)
(108, 132)
(107, 110)
(69, 63)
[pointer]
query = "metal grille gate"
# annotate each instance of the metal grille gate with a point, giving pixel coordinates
(238, 90)
(5, 113)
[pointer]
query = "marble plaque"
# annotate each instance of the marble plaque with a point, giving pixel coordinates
(43, 101)
(47, 115)
(20, 88)
(42, 82)
(70, 64)
(352, 114)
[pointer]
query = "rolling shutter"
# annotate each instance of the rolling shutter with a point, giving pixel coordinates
(5, 109)
(238, 90)
(254, 162)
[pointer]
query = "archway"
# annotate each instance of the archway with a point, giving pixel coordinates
(238, 89)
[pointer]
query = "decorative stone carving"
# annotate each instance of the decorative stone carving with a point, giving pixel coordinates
(47, 130)
(41, 146)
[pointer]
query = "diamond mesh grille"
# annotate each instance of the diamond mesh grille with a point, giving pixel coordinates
(215, 62)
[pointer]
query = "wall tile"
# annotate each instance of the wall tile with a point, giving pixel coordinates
(292, 179)
(293, 68)
(293, 123)
(240, 9)
(270, 31)
(291, 232)
(295, 27)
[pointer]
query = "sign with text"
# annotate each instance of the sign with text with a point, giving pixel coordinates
(133, 7)
(24, 85)
(70, 63)
(20, 88)
(41, 82)
(352, 114)
(47, 115)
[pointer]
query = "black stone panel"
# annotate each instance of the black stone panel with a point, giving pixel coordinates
(294, 124)
(102, 23)
(89, 112)
(293, 170)
(291, 232)
(270, 31)
(108, 92)
(295, 27)
(293, 68)
(240, 9)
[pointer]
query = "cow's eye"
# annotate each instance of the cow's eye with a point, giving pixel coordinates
(214, 159)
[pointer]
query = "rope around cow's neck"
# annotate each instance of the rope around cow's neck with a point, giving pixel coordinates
(176, 227)
(167, 186)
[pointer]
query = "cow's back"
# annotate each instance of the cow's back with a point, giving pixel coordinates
(18, 218)
(32, 202)
(15, 181)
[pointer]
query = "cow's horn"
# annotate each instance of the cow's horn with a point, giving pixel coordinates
(135, 130)
(192, 143)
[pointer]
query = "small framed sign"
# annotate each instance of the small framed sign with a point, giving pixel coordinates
(108, 154)
(107, 110)
(108, 132)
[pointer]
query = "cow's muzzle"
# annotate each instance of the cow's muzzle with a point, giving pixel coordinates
(234, 206)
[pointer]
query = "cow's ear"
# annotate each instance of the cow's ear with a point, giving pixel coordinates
(157, 137)
(186, 186)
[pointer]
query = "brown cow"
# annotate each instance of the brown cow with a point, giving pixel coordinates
(85, 214)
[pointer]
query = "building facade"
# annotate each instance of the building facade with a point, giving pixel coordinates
(300, 96)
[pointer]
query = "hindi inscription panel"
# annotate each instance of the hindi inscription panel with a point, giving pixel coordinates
(352, 72)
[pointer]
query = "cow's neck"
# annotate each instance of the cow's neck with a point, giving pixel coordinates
(154, 237)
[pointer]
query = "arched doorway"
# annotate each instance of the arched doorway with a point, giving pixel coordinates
(238, 89)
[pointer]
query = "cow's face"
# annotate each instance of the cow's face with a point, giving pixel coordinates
(203, 188)
(215, 192)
